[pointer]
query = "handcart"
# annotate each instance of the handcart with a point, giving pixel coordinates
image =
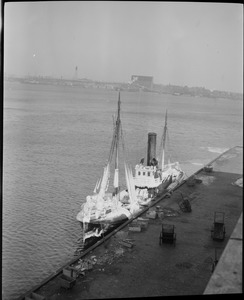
(218, 227)
(167, 235)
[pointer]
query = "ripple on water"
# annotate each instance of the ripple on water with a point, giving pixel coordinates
(54, 152)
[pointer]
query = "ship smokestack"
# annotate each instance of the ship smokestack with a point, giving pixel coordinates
(151, 147)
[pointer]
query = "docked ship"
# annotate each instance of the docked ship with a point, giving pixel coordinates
(109, 207)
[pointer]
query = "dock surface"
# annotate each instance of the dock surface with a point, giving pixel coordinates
(146, 268)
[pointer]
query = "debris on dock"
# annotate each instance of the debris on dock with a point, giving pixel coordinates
(206, 179)
(126, 243)
(116, 249)
(185, 204)
(34, 296)
(191, 181)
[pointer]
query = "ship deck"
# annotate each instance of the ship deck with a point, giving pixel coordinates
(151, 269)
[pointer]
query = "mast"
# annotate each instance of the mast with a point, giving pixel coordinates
(114, 147)
(117, 133)
(164, 140)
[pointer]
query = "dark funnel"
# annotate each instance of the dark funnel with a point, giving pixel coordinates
(151, 147)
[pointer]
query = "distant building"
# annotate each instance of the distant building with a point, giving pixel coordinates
(142, 81)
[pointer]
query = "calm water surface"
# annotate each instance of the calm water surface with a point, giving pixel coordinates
(56, 142)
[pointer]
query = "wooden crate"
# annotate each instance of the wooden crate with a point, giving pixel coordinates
(126, 244)
(143, 223)
(35, 296)
(70, 272)
(67, 282)
(135, 228)
(151, 215)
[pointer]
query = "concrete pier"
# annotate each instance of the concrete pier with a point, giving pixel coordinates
(227, 277)
(148, 268)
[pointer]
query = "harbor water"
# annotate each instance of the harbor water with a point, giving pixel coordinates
(56, 140)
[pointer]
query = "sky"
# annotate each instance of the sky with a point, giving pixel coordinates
(182, 43)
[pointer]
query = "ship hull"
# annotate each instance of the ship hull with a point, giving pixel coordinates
(93, 239)
(96, 229)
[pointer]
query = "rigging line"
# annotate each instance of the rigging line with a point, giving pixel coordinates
(170, 149)
(123, 143)
(113, 116)
(161, 146)
(165, 131)
(123, 146)
(116, 126)
(163, 138)
(168, 143)
(117, 133)
(112, 144)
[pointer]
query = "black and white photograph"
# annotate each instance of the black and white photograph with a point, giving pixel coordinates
(122, 152)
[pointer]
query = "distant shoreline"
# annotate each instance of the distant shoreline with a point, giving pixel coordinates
(157, 88)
